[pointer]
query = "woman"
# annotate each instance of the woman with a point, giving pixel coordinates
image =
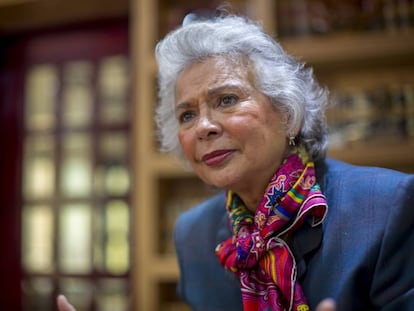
(249, 119)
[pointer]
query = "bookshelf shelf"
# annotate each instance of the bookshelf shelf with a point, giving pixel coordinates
(166, 165)
(351, 47)
(386, 154)
(165, 268)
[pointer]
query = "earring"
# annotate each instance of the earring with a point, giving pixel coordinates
(292, 141)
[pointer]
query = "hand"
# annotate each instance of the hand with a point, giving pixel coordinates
(327, 304)
(63, 304)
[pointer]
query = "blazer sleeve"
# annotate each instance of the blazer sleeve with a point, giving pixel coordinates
(393, 283)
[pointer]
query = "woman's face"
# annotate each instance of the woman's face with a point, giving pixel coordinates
(230, 133)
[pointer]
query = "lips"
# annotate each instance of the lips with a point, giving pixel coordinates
(216, 157)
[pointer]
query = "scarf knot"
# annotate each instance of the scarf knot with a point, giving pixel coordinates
(249, 248)
(257, 251)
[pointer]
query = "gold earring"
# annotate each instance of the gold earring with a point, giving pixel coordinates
(292, 141)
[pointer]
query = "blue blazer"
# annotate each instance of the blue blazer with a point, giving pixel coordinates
(362, 255)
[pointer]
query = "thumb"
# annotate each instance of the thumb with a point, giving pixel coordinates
(328, 304)
(63, 304)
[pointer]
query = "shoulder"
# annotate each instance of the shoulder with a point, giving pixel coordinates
(365, 194)
(337, 174)
(211, 206)
(336, 166)
(209, 209)
(202, 218)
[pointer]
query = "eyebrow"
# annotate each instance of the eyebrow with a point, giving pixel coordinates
(218, 90)
(213, 92)
(183, 106)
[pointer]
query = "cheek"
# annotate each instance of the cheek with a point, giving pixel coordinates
(257, 133)
(247, 129)
(186, 142)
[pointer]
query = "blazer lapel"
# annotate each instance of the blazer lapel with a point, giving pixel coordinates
(308, 239)
(223, 232)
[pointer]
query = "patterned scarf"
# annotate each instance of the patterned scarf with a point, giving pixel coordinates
(257, 252)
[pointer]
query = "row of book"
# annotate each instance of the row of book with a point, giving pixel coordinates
(381, 113)
(307, 17)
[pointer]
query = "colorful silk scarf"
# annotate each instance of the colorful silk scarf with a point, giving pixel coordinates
(257, 252)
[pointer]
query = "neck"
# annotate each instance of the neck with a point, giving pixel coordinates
(252, 193)
(251, 200)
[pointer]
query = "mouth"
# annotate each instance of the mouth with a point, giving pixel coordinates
(216, 157)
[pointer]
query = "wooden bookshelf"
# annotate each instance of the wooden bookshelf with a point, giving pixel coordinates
(22, 15)
(394, 155)
(346, 61)
(353, 47)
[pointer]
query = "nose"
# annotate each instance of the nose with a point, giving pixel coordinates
(207, 127)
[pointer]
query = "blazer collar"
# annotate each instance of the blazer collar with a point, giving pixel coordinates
(223, 232)
(308, 239)
(304, 242)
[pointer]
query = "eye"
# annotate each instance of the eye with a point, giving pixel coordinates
(186, 116)
(228, 100)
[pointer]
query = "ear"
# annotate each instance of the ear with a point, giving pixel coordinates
(292, 126)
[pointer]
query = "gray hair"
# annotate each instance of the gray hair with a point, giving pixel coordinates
(289, 85)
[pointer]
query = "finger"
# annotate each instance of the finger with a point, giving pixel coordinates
(327, 304)
(63, 304)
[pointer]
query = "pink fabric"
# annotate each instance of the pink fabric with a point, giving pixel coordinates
(257, 252)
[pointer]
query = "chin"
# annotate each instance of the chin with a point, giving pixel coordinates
(218, 179)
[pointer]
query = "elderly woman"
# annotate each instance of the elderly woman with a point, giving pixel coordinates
(249, 119)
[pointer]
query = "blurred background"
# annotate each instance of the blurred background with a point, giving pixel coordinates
(88, 203)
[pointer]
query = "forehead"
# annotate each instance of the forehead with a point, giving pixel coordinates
(215, 70)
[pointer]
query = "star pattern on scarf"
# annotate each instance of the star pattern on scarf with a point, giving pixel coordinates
(273, 196)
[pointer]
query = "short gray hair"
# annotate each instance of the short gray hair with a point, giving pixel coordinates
(288, 83)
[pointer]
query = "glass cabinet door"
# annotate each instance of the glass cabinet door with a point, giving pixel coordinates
(76, 174)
